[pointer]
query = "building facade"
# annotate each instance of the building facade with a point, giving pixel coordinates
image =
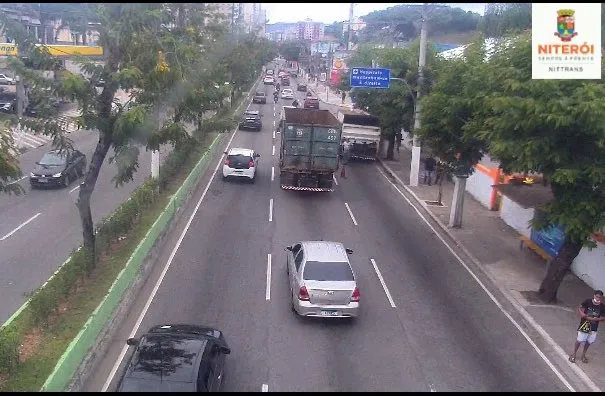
(309, 30)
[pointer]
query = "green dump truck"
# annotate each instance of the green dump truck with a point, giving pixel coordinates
(310, 143)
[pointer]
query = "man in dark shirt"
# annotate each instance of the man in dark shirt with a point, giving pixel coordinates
(429, 169)
(591, 311)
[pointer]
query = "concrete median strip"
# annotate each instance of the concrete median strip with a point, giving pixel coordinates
(97, 326)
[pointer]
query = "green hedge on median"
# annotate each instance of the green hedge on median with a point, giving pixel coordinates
(45, 301)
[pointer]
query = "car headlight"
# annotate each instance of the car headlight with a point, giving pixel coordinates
(31, 174)
(57, 174)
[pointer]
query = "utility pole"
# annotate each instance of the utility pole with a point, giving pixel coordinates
(415, 165)
(20, 91)
(155, 154)
(350, 32)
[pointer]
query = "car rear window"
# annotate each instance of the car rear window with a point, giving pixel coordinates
(312, 100)
(331, 271)
(239, 159)
(260, 94)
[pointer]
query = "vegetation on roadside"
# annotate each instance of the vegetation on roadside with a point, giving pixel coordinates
(550, 127)
(31, 345)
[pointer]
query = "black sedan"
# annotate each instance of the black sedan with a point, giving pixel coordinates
(301, 87)
(252, 120)
(259, 97)
(58, 169)
(176, 358)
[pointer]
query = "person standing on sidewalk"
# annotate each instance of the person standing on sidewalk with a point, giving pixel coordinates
(429, 169)
(398, 138)
(343, 96)
(591, 311)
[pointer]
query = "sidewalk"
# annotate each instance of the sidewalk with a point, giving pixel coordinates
(329, 96)
(494, 246)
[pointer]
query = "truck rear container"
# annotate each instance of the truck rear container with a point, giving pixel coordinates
(309, 153)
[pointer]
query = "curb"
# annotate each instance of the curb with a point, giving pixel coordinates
(526, 315)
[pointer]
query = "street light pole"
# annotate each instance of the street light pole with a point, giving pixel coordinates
(415, 165)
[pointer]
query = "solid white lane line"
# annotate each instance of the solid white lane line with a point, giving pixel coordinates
(265, 388)
(272, 173)
(133, 333)
(273, 134)
(351, 214)
(384, 285)
(271, 209)
(20, 226)
(273, 150)
(490, 295)
(334, 178)
(268, 290)
(74, 189)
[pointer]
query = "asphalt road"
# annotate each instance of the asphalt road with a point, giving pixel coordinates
(425, 324)
(39, 230)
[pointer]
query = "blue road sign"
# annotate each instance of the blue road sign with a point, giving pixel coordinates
(366, 77)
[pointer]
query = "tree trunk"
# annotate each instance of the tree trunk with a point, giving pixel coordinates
(557, 269)
(86, 189)
(391, 147)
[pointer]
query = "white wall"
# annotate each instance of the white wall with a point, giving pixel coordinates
(516, 216)
(479, 185)
(588, 266)
(407, 139)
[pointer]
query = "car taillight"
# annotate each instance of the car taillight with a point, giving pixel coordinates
(251, 164)
(226, 162)
(355, 296)
(303, 294)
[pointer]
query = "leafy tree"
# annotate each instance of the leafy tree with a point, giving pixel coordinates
(553, 127)
(9, 162)
(394, 106)
(291, 50)
(501, 19)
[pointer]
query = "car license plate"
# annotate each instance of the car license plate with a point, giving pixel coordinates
(329, 313)
(43, 180)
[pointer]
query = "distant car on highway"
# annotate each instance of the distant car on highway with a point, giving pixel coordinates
(6, 80)
(311, 103)
(241, 163)
(269, 80)
(321, 279)
(176, 358)
(301, 87)
(287, 94)
(285, 81)
(259, 97)
(252, 120)
(58, 169)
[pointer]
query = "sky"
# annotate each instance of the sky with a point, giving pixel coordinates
(330, 12)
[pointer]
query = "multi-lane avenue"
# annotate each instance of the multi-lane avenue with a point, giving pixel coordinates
(425, 324)
(39, 230)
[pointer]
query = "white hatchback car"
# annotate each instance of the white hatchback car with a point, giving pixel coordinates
(287, 93)
(268, 80)
(241, 163)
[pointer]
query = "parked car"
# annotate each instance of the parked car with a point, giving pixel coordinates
(58, 169)
(269, 80)
(259, 97)
(241, 163)
(321, 279)
(6, 80)
(287, 94)
(252, 120)
(8, 105)
(176, 358)
(301, 87)
(311, 102)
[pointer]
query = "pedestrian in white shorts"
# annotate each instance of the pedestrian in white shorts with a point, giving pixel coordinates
(591, 311)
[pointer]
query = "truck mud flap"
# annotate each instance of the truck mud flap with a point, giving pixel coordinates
(363, 157)
(305, 188)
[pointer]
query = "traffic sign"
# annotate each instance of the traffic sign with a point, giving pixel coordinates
(366, 77)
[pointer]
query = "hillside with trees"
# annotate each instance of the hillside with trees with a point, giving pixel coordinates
(401, 23)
